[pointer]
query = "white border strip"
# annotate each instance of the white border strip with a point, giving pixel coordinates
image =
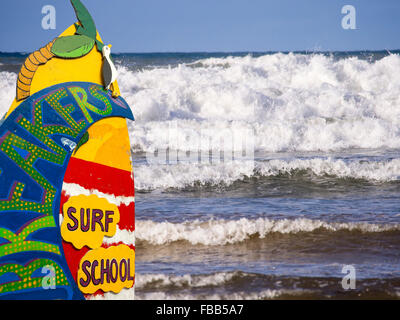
(73, 189)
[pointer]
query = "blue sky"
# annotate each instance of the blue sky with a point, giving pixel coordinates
(210, 25)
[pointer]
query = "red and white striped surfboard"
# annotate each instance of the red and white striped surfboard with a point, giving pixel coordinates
(103, 167)
(100, 169)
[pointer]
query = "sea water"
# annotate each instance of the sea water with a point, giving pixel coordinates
(318, 192)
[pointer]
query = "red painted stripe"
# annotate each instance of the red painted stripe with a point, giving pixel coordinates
(127, 217)
(92, 175)
(73, 256)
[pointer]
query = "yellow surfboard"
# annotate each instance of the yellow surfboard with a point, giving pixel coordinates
(97, 204)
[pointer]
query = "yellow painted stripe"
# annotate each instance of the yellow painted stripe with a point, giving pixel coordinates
(103, 137)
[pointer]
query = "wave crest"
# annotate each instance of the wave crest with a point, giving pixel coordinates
(223, 232)
(293, 102)
(183, 175)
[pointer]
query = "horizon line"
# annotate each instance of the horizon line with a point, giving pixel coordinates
(232, 51)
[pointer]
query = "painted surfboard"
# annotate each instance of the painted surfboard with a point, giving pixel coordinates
(66, 181)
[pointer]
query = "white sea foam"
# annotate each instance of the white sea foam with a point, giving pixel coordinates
(222, 232)
(186, 174)
(194, 281)
(8, 82)
(293, 102)
(368, 170)
(182, 175)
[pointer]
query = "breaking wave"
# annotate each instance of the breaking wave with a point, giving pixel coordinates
(292, 102)
(223, 232)
(183, 175)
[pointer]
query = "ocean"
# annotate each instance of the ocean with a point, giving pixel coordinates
(269, 175)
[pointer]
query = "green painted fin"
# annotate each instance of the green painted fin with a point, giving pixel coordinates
(72, 46)
(88, 27)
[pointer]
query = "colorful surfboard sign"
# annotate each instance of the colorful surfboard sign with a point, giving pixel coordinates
(66, 181)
